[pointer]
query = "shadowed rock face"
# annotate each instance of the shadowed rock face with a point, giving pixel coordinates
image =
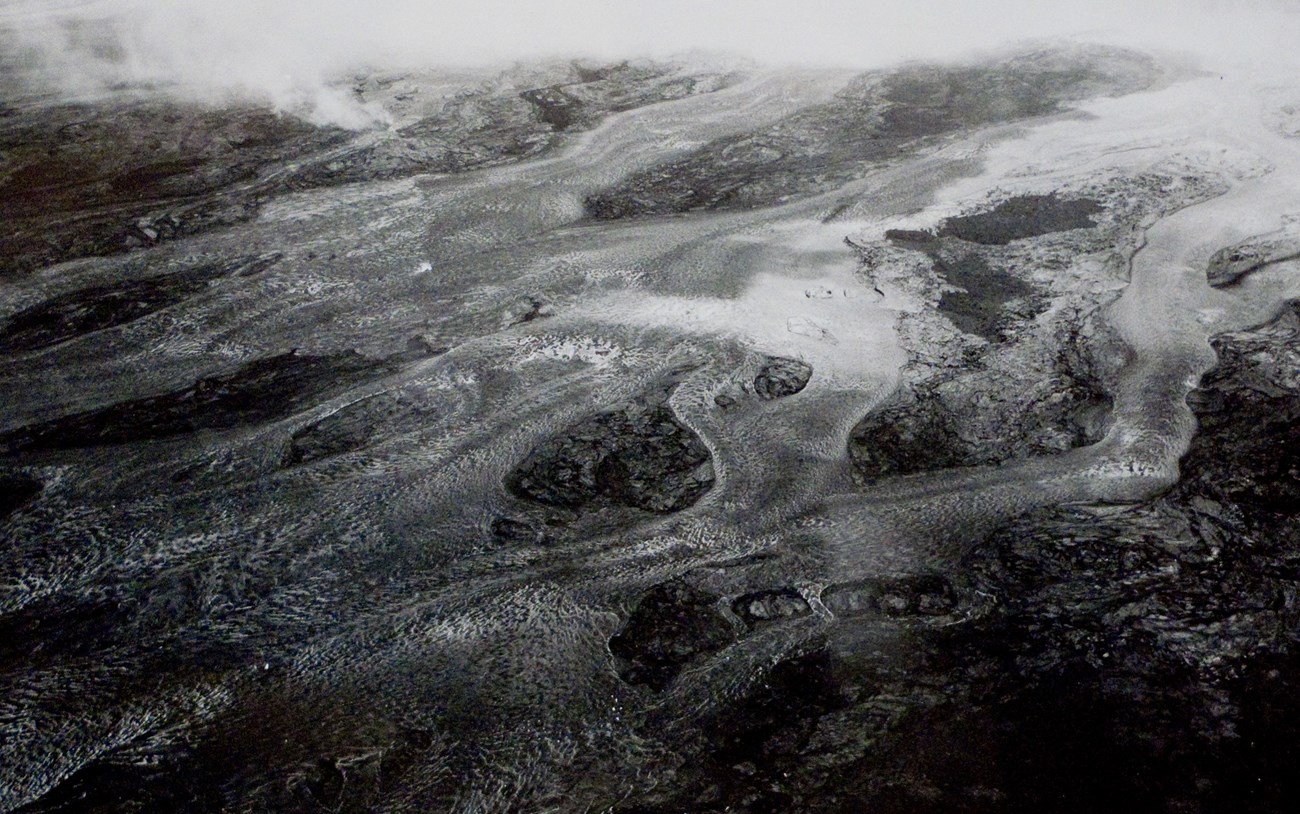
(639, 456)
(260, 391)
(876, 118)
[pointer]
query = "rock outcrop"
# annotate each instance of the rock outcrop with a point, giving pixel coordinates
(96, 308)
(1230, 264)
(1000, 314)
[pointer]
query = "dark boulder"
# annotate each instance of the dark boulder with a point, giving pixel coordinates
(770, 605)
(509, 530)
(782, 377)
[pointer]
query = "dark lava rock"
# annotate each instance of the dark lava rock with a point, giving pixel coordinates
(86, 179)
(1248, 408)
(16, 489)
(671, 625)
(91, 179)
(98, 307)
(760, 738)
(914, 238)
(905, 439)
(259, 391)
(554, 106)
(782, 377)
(508, 530)
(978, 310)
(1021, 217)
(876, 118)
(922, 431)
(639, 456)
(909, 595)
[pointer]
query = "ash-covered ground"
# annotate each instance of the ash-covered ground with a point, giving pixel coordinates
(656, 437)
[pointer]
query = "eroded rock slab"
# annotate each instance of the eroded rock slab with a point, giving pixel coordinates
(1230, 264)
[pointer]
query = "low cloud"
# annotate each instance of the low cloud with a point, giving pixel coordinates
(288, 51)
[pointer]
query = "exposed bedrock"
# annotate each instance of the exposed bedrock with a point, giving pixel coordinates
(1136, 657)
(638, 455)
(879, 116)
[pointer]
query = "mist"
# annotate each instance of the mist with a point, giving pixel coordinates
(289, 51)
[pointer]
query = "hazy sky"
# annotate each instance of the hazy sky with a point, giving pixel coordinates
(286, 47)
